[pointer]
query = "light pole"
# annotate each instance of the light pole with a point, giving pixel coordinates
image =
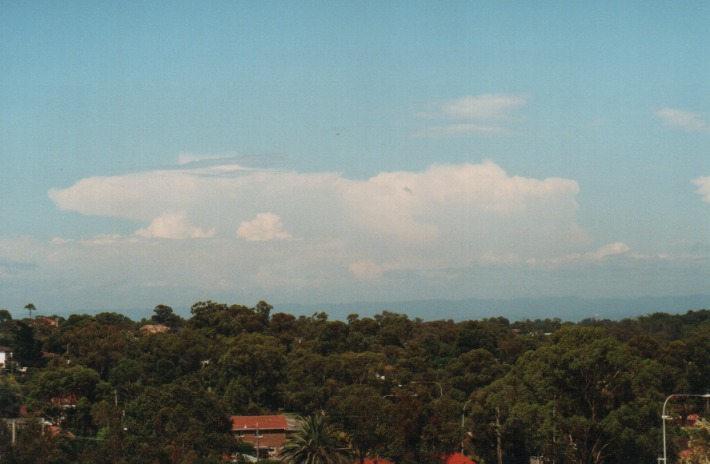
(463, 426)
(664, 417)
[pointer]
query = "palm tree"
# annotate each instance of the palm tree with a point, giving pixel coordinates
(317, 442)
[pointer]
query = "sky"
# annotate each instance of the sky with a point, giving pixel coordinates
(333, 152)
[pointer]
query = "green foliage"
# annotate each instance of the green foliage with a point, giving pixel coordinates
(252, 363)
(178, 422)
(164, 315)
(366, 415)
(698, 443)
(317, 442)
(10, 397)
(34, 444)
(27, 349)
(63, 382)
(219, 319)
(581, 398)
(388, 385)
(30, 307)
(100, 342)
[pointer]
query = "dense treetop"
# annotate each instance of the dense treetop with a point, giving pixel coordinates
(162, 390)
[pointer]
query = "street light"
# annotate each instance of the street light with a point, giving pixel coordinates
(441, 390)
(664, 416)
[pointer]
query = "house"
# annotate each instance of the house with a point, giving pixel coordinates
(150, 329)
(692, 419)
(5, 355)
(48, 321)
(66, 401)
(18, 423)
(266, 433)
(456, 458)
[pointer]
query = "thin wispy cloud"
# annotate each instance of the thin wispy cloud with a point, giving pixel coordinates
(189, 158)
(457, 130)
(483, 107)
(598, 256)
(688, 121)
(470, 115)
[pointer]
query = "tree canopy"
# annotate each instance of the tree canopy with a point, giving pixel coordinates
(162, 390)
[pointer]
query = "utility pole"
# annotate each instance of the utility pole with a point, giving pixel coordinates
(499, 447)
(554, 430)
(463, 424)
(257, 442)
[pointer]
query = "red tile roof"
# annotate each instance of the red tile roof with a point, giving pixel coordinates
(150, 329)
(374, 461)
(456, 458)
(262, 422)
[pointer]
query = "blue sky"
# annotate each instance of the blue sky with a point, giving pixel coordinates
(326, 152)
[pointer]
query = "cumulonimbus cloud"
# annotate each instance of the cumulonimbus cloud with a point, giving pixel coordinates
(445, 217)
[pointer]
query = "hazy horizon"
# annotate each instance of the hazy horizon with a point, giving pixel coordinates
(567, 309)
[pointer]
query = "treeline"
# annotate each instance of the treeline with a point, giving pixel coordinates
(112, 390)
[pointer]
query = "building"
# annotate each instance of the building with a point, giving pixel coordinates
(150, 329)
(65, 402)
(48, 321)
(266, 433)
(5, 355)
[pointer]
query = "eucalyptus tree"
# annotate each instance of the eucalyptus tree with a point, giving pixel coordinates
(30, 307)
(177, 422)
(366, 415)
(584, 398)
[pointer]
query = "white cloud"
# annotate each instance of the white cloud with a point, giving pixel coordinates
(141, 196)
(599, 255)
(429, 223)
(366, 270)
(189, 158)
(266, 226)
(606, 251)
(456, 130)
(483, 107)
(173, 226)
(474, 114)
(450, 231)
(144, 196)
(703, 184)
(682, 119)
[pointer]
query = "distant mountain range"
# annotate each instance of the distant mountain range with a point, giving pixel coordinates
(571, 309)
